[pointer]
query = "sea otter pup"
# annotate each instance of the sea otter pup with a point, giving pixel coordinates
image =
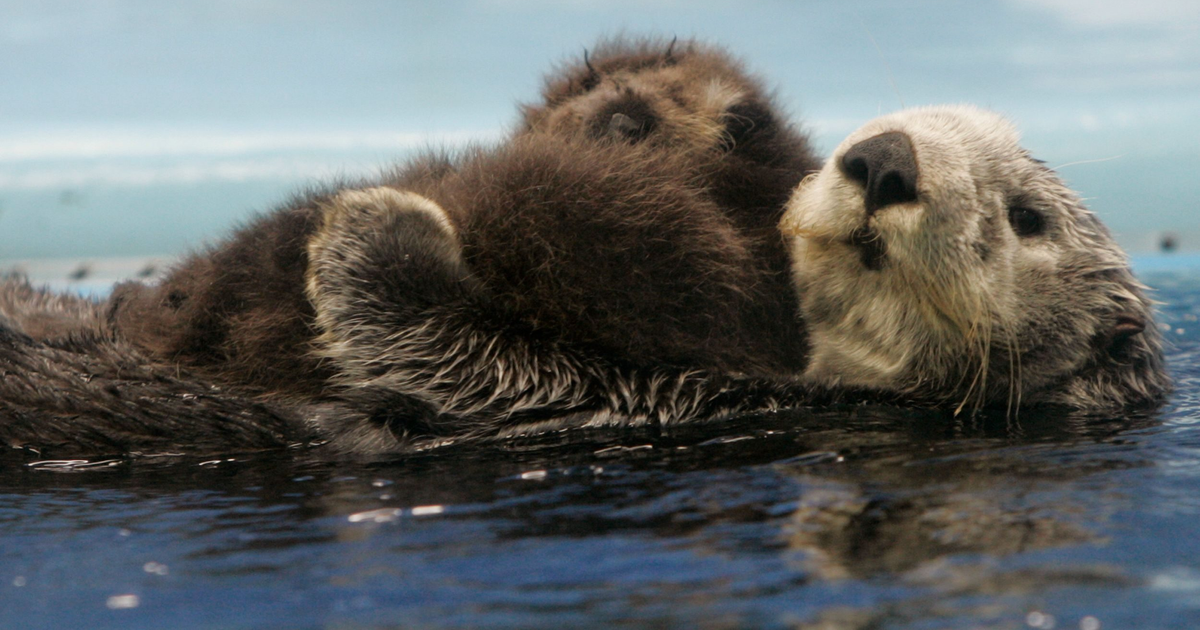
(688, 98)
(695, 100)
(939, 260)
(239, 309)
(551, 279)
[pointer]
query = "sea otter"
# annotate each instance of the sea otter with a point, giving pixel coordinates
(557, 281)
(239, 313)
(551, 277)
(690, 98)
(695, 100)
(939, 260)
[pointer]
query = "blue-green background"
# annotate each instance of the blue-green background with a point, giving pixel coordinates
(139, 128)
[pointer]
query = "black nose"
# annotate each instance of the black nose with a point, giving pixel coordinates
(886, 167)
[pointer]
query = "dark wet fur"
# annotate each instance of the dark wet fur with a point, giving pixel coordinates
(750, 172)
(598, 281)
(236, 311)
(590, 270)
(81, 390)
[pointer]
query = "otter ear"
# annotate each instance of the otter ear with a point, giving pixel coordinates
(1127, 326)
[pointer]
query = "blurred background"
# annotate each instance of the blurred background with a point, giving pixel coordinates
(131, 130)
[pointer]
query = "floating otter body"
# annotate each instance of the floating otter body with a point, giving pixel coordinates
(566, 280)
(70, 386)
(699, 104)
(937, 259)
(239, 309)
(551, 280)
(596, 276)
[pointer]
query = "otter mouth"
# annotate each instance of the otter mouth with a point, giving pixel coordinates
(872, 250)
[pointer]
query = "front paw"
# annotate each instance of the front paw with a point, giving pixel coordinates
(381, 244)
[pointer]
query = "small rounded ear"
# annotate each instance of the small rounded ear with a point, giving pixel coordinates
(1126, 327)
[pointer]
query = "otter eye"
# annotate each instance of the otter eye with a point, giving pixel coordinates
(1026, 221)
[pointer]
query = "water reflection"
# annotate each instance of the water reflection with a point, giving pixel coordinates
(844, 518)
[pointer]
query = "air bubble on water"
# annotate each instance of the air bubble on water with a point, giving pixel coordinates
(69, 465)
(620, 450)
(121, 602)
(382, 515)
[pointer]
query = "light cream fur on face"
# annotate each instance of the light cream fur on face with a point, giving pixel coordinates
(960, 295)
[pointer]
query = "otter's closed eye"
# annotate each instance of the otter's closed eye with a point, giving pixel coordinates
(629, 118)
(1026, 221)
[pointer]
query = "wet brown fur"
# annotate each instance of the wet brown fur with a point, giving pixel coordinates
(239, 309)
(628, 264)
(738, 145)
(78, 389)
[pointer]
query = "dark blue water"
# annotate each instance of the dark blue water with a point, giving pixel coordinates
(868, 517)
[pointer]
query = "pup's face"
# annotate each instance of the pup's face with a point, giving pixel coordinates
(674, 94)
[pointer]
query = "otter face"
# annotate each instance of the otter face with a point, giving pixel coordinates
(936, 258)
(681, 95)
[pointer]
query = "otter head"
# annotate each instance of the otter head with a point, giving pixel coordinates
(937, 259)
(678, 94)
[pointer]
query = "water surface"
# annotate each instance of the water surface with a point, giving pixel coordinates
(855, 517)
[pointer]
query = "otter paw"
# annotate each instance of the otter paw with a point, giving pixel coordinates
(369, 205)
(368, 231)
(381, 251)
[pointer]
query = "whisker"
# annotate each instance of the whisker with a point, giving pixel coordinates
(1107, 159)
